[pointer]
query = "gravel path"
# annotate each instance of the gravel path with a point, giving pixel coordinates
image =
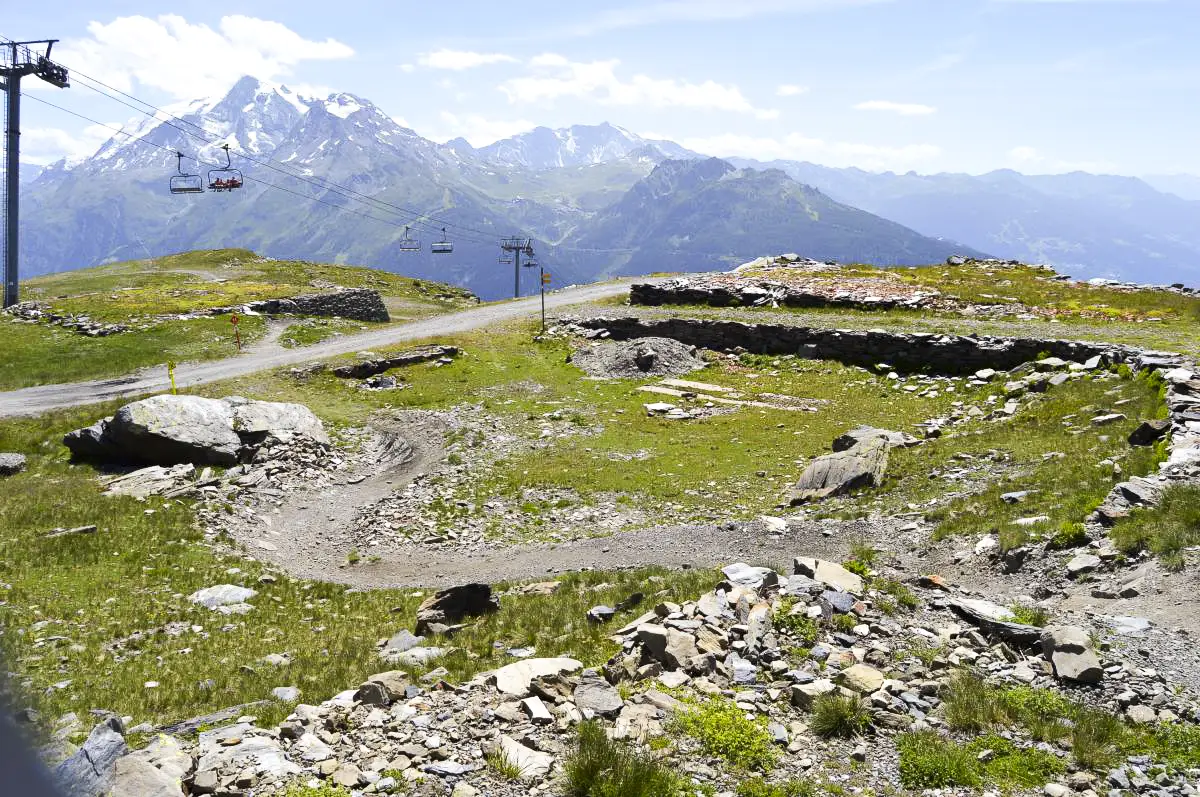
(34, 400)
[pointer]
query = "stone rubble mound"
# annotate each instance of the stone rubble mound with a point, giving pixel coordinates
(771, 643)
(171, 430)
(356, 304)
(638, 358)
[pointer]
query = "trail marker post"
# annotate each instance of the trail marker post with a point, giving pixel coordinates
(237, 334)
(171, 376)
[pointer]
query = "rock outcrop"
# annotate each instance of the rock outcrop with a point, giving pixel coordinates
(859, 460)
(170, 430)
(450, 606)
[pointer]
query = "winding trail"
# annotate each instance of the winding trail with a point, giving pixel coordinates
(34, 400)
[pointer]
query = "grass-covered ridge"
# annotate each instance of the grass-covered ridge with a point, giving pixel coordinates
(145, 293)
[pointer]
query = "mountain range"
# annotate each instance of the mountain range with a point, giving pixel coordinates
(337, 179)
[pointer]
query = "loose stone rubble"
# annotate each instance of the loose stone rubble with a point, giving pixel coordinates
(648, 356)
(768, 642)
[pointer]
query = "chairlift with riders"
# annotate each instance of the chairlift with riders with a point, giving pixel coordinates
(224, 178)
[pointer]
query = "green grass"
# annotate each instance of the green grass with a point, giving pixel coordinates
(1009, 456)
(929, 761)
(39, 354)
(133, 575)
(315, 330)
(499, 762)
(1165, 530)
(757, 787)
(1029, 615)
(602, 767)
(139, 292)
(723, 730)
(322, 790)
(837, 715)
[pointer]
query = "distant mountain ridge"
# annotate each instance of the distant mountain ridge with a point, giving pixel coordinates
(596, 200)
(1087, 224)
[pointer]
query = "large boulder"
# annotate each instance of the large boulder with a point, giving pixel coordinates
(831, 574)
(859, 460)
(514, 679)
(87, 773)
(169, 430)
(451, 605)
(991, 618)
(135, 777)
(842, 471)
(1069, 650)
(869, 434)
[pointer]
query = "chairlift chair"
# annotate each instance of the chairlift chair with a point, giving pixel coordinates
(442, 247)
(408, 244)
(184, 183)
(224, 178)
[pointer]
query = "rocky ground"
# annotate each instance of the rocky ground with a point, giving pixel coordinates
(894, 631)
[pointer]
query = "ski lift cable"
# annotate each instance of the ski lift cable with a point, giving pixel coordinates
(420, 217)
(205, 163)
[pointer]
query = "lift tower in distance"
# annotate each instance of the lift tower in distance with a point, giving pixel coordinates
(512, 249)
(18, 59)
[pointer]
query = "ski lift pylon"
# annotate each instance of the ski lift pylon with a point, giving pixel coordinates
(442, 247)
(408, 244)
(224, 178)
(184, 183)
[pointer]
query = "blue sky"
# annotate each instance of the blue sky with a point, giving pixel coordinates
(927, 85)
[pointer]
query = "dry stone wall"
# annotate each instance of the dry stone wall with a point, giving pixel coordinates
(357, 304)
(920, 352)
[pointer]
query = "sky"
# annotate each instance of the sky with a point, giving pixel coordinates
(1041, 86)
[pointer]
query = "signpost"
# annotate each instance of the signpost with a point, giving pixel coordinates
(171, 376)
(545, 282)
(233, 319)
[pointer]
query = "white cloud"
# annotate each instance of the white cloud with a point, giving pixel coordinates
(188, 60)
(559, 77)
(831, 153)
(902, 108)
(459, 60)
(670, 11)
(1024, 155)
(42, 145)
(790, 90)
(479, 130)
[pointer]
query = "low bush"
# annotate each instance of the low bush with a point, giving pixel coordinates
(840, 715)
(602, 767)
(757, 787)
(927, 761)
(1029, 615)
(723, 730)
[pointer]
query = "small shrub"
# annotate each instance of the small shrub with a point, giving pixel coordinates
(1069, 535)
(927, 761)
(1095, 738)
(1014, 766)
(500, 763)
(602, 767)
(757, 787)
(839, 715)
(924, 652)
(972, 705)
(844, 622)
(1029, 615)
(902, 594)
(856, 567)
(324, 789)
(354, 557)
(798, 625)
(723, 730)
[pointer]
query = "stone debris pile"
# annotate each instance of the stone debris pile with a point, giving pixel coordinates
(774, 645)
(35, 312)
(647, 356)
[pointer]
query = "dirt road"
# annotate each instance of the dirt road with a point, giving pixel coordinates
(33, 400)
